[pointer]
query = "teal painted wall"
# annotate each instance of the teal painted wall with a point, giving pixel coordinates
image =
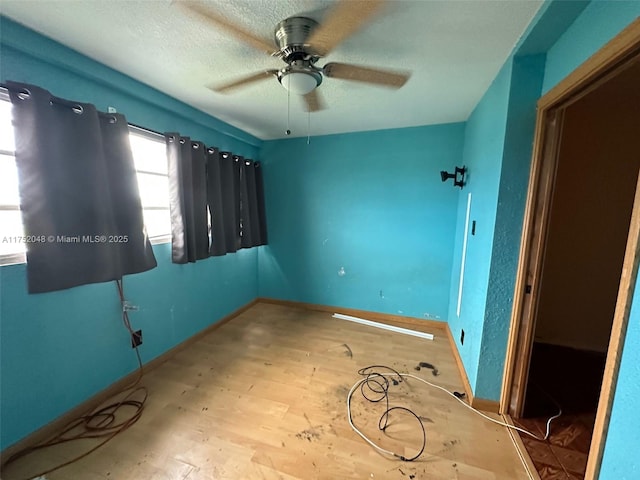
(526, 83)
(487, 301)
(371, 203)
(600, 22)
(483, 144)
(58, 349)
(503, 154)
(377, 208)
(497, 151)
(620, 460)
(29, 57)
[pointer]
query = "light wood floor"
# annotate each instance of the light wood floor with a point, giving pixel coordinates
(264, 397)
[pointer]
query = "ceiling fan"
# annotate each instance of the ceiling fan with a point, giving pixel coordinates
(300, 42)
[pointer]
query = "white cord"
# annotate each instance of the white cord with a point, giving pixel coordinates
(349, 395)
(409, 375)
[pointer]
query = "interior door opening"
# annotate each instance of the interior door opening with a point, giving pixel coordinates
(582, 238)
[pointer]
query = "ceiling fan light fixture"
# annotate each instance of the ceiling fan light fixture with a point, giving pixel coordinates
(300, 82)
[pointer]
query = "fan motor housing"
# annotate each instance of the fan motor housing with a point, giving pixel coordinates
(291, 35)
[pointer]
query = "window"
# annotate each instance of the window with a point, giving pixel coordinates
(149, 155)
(150, 158)
(11, 249)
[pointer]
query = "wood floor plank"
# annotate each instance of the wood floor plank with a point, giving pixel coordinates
(264, 397)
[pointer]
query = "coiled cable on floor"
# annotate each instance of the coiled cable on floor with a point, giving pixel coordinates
(376, 381)
(100, 423)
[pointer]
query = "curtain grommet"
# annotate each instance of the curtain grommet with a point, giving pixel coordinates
(24, 94)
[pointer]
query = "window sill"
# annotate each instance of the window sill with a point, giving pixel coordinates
(13, 259)
(160, 240)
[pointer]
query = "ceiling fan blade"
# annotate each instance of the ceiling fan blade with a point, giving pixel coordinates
(224, 88)
(222, 22)
(313, 101)
(387, 78)
(341, 22)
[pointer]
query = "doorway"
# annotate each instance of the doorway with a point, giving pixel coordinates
(592, 198)
(578, 259)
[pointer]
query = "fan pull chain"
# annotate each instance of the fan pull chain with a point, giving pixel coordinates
(308, 126)
(288, 130)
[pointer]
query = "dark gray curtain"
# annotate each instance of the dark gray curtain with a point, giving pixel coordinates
(218, 240)
(262, 216)
(250, 204)
(232, 207)
(78, 192)
(188, 199)
(223, 202)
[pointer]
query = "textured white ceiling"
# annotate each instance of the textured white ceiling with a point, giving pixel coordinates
(454, 49)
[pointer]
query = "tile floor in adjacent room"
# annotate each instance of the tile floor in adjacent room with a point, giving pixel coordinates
(570, 379)
(564, 454)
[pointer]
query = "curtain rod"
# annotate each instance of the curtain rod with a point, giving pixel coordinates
(144, 131)
(4, 94)
(147, 132)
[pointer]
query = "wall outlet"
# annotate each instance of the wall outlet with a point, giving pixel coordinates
(136, 338)
(462, 337)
